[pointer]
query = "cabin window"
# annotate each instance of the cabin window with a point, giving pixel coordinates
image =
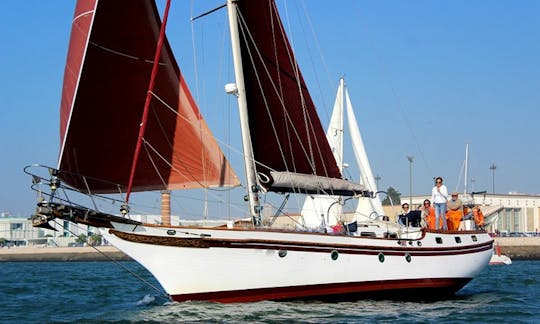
(474, 238)
(381, 257)
(334, 255)
(458, 239)
(171, 232)
(282, 253)
(438, 240)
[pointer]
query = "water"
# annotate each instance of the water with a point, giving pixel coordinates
(103, 292)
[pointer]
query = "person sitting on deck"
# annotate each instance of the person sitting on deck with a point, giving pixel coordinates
(478, 217)
(403, 218)
(428, 215)
(455, 212)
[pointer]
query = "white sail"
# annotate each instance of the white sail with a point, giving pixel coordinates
(317, 207)
(366, 206)
(320, 210)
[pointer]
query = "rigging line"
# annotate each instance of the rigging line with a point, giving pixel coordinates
(323, 60)
(160, 291)
(275, 88)
(296, 70)
(201, 137)
(148, 98)
(308, 122)
(174, 168)
(154, 164)
(228, 146)
(195, 71)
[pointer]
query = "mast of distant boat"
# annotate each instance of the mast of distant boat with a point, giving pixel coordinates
(466, 168)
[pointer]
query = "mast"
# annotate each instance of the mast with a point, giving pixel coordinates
(253, 189)
(466, 167)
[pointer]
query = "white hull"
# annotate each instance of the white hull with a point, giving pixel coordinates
(230, 265)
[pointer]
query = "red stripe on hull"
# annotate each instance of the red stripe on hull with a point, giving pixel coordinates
(395, 289)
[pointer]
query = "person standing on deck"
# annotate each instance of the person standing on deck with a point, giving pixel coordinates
(439, 197)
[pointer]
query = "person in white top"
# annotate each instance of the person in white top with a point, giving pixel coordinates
(439, 197)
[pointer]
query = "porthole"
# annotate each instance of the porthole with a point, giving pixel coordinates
(458, 239)
(171, 232)
(438, 240)
(419, 243)
(282, 253)
(408, 257)
(474, 238)
(334, 255)
(410, 242)
(381, 257)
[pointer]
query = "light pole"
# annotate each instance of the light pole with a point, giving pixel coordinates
(493, 167)
(410, 159)
(377, 178)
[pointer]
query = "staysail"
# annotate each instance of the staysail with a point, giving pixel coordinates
(319, 210)
(286, 133)
(325, 209)
(106, 79)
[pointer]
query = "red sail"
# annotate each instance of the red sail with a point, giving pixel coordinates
(108, 68)
(286, 132)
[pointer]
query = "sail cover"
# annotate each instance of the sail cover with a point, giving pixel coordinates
(286, 133)
(106, 79)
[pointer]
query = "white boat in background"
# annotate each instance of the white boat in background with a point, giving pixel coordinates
(499, 259)
(120, 67)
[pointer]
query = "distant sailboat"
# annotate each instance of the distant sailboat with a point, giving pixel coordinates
(129, 123)
(321, 210)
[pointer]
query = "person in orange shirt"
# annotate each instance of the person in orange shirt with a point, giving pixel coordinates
(478, 217)
(455, 212)
(428, 214)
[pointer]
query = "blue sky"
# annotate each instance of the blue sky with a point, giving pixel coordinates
(425, 77)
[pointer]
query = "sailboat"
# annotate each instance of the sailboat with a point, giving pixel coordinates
(129, 124)
(326, 210)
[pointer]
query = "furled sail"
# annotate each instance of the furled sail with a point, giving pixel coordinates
(106, 79)
(286, 133)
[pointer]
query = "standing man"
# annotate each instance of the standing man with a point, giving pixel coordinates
(439, 197)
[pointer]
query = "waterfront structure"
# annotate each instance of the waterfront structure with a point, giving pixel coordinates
(18, 231)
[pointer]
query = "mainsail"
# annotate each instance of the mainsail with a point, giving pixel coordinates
(106, 79)
(286, 133)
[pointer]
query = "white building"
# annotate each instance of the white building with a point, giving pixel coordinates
(19, 231)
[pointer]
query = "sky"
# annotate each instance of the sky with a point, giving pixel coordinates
(425, 78)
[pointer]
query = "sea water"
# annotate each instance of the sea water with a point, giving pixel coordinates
(107, 292)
